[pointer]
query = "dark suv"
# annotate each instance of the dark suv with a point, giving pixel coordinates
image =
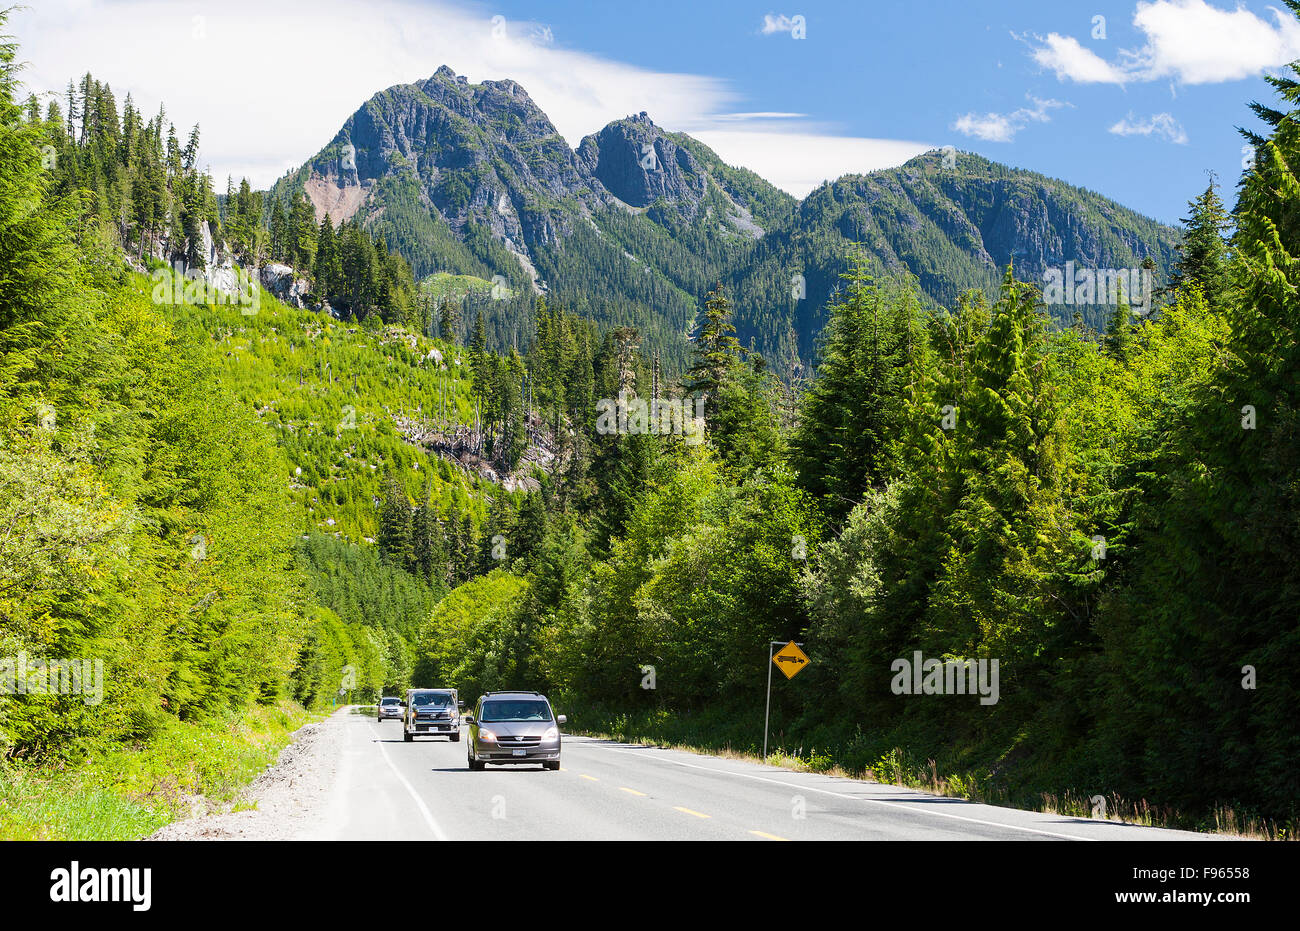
(513, 727)
(430, 712)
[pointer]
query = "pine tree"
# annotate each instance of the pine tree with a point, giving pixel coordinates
(467, 556)
(428, 549)
(448, 320)
(1203, 252)
(326, 271)
(851, 412)
(1217, 587)
(278, 230)
(1119, 336)
(395, 524)
(716, 350)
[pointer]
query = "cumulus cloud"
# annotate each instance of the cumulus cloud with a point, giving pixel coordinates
(1188, 41)
(271, 84)
(1160, 125)
(1065, 56)
(1002, 127)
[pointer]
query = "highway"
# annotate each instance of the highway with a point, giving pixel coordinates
(386, 789)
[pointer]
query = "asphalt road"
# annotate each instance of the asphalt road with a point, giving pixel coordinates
(386, 789)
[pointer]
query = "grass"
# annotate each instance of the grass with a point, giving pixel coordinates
(446, 286)
(128, 793)
(715, 732)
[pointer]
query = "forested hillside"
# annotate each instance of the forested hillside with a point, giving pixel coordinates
(233, 504)
(955, 221)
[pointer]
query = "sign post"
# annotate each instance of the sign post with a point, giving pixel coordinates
(791, 660)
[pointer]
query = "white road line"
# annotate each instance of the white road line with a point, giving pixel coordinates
(419, 802)
(855, 798)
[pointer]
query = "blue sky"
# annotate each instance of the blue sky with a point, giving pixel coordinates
(1138, 115)
(911, 70)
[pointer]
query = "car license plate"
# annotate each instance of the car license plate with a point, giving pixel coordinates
(521, 752)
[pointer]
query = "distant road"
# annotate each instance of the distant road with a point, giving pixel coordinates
(385, 789)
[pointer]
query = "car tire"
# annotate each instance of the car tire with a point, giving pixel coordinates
(552, 765)
(455, 738)
(406, 737)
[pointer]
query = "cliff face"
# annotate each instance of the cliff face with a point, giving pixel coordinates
(638, 164)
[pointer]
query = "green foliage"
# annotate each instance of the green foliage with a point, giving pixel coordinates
(474, 641)
(128, 792)
(1203, 254)
(229, 509)
(853, 408)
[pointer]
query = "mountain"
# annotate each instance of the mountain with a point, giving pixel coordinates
(636, 224)
(954, 226)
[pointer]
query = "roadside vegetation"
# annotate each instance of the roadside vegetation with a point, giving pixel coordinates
(129, 791)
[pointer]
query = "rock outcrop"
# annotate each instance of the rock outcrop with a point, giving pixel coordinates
(282, 281)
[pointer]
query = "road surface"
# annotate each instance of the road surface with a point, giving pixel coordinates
(385, 789)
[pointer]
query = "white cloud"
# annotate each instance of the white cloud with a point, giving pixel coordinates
(1069, 59)
(774, 23)
(271, 84)
(1002, 127)
(1188, 41)
(763, 115)
(1161, 125)
(804, 161)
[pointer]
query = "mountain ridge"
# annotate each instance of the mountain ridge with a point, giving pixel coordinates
(633, 225)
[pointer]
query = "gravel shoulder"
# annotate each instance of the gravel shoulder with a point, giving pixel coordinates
(288, 801)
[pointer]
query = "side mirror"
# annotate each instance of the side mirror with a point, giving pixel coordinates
(561, 719)
(469, 719)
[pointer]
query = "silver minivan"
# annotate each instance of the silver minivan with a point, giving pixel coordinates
(513, 727)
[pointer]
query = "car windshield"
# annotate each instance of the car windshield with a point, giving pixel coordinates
(520, 710)
(431, 700)
(392, 701)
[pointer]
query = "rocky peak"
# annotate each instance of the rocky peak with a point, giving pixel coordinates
(638, 163)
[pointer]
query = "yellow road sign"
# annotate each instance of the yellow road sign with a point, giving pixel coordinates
(791, 660)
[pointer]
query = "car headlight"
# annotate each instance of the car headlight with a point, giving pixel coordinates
(486, 735)
(551, 733)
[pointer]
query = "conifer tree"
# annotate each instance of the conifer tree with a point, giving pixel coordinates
(1203, 252)
(395, 524)
(448, 320)
(851, 411)
(716, 350)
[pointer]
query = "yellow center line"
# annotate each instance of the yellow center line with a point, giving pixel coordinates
(687, 811)
(630, 791)
(768, 836)
(585, 776)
